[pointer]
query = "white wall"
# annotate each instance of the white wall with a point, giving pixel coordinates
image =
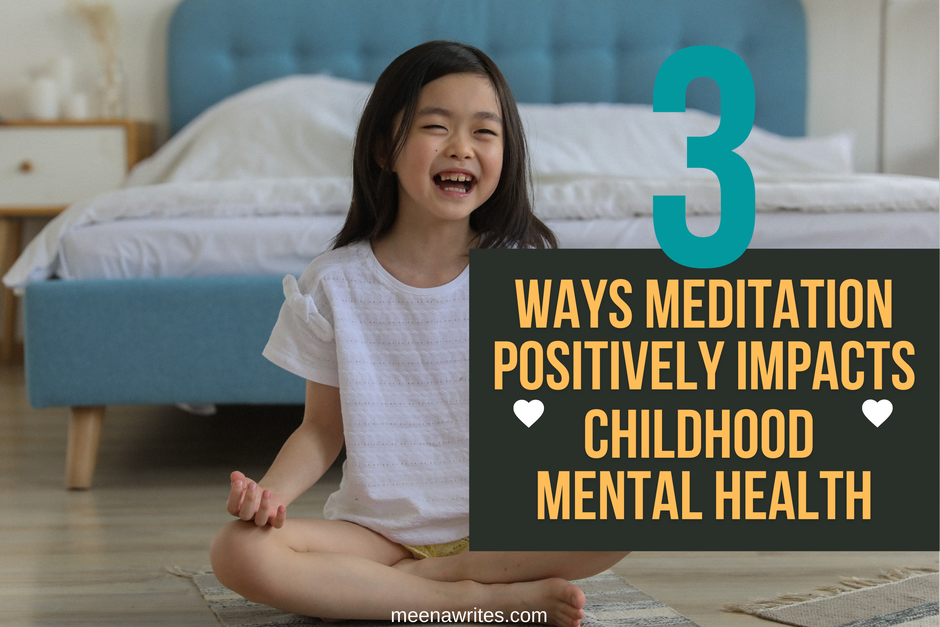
(844, 52)
(912, 64)
(896, 128)
(873, 69)
(33, 33)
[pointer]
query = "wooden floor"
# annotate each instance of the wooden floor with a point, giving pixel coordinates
(99, 557)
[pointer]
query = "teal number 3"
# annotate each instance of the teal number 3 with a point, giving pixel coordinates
(713, 152)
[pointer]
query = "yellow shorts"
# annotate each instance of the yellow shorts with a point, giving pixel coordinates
(440, 550)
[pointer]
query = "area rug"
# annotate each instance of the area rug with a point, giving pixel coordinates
(906, 597)
(611, 601)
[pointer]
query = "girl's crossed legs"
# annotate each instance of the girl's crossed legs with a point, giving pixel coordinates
(338, 569)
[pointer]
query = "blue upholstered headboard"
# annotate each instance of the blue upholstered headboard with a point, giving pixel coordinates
(549, 50)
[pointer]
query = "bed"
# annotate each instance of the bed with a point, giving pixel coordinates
(123, 307)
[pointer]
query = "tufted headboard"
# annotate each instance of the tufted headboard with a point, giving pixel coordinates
(549, 50)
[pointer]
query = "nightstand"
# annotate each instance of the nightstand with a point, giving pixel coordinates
(44, 167)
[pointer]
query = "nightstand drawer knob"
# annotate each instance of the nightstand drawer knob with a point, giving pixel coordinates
(26, 166)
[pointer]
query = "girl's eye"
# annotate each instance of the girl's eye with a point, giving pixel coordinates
(434, 126)
(487, 130)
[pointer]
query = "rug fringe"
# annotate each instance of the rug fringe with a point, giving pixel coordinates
(187, 573)
(846, 584)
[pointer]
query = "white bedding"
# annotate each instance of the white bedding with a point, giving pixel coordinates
(217, 197)
(565, 199)
(149, 248)
(303, 126)
(255, 246)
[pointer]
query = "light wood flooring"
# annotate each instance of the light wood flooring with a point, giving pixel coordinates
(99, 557)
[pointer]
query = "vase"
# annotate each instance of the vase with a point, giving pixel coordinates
(112, 92)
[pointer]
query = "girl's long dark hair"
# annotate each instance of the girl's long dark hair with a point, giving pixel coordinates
(505, 220)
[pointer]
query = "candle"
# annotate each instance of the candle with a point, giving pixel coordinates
(43, 99)
(63, 71)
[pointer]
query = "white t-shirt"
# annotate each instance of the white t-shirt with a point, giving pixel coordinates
(400, 356)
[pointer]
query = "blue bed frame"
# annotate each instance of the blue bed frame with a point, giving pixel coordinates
(90, 344)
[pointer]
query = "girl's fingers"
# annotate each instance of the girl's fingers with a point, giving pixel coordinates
(280, 517)
(238, 476)
(261, 518)
(250, 502)
(234, 503)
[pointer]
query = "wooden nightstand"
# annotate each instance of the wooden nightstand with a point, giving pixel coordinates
(44, 167)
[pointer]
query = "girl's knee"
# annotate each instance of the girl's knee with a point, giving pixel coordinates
(606, 559)
(230, 539)
(238, 554)
(223, 550)
(583, 564)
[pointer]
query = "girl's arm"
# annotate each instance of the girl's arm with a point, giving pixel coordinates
(303, 459)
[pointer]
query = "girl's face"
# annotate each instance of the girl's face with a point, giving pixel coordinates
(453, 155)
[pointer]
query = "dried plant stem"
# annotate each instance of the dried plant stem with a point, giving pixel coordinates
(105, 33)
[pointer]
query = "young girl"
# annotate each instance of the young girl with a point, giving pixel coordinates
(379, 328)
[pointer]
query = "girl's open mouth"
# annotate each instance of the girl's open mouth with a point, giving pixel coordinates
(455, 182)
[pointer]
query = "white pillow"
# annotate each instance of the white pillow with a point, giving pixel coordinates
(305, 126)
(634, 141)
(299, 126)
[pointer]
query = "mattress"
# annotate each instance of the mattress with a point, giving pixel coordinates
(279, 245)
(150, 248)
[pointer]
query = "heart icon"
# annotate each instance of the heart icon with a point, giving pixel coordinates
(877, 411)
(528, 411)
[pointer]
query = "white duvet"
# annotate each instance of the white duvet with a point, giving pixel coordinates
(283, 149)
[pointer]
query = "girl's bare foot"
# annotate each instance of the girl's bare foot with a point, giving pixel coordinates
(561, 601)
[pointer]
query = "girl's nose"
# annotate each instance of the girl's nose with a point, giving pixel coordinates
(460, 148)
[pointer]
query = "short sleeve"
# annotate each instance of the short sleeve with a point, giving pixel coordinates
(302, 341)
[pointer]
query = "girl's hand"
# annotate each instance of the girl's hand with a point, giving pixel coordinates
(249, 501)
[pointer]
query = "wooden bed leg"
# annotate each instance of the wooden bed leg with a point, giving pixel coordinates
(84, 434)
